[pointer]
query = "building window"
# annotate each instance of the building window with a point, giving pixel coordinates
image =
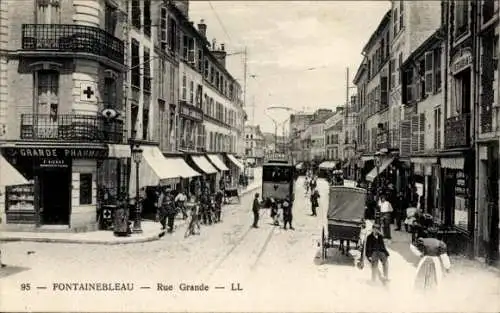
(191, 92)
(461, 17)
(163, 29)
(184, 86)
(136, 59)
(437, 129)
(429, 72)
(395, 21)
(172, 84)
(200, 60)
(147, 70)
(384, 98)
(185, 47)
(136, 13)
(437, 70)
(109, 93)
(400, 65)
(147, 18)
(48, 12)
(392, 66)
(47, 83)
(85, 188)
(110, 20)
(205, 73)
(172, 35)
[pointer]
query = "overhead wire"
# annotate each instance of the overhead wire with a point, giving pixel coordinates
(220, 21)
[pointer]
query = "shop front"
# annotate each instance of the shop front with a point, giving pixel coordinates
(426, 178)
(457, 198)
(217, 162)
(487, 202)
(236, 169)
(156, 170)
(59, 187)
(201, 164)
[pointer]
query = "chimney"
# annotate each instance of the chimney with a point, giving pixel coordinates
(202, 28)
(219, 54)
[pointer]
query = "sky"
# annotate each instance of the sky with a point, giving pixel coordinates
(297, 51)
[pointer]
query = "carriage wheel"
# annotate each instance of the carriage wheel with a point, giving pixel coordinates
(323, 244)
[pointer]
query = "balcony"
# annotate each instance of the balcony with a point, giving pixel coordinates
(71, 128)
(72, 38)
(388, 139)
(457, 132)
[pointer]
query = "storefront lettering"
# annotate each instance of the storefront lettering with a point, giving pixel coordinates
(58, 153)
(36, 152)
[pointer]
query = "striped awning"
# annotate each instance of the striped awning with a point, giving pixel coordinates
(377, 170)
(9, 176)
(327, 165)
(203, 164)
(235, 161)
(216, 160)
(155, 169)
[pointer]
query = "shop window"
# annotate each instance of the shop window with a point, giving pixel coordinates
(48, 12)
(461, 214)
(85, 188)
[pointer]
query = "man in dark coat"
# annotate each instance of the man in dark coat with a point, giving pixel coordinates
(255, 210)
(314, 202)
(375, 252)
(167, 210)
(287, 213)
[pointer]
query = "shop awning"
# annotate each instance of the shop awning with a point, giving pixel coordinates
(203, 164)
(9, 176)
(119, 151)
(155, 169)
(384, 165)
(216, 160)
(327, 165)
(299, 166)
(235, 161)
(424, 160)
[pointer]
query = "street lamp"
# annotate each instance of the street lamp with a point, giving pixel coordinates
(137, 157)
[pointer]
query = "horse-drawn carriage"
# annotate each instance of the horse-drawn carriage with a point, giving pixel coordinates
(337, 178)
(346, 207)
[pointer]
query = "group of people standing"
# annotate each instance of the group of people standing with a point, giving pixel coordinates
(285, 205)
(380, 214)
(202, 206)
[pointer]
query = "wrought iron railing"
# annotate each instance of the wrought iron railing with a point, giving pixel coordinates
(457, 132)
(71, 127)
(72, 38)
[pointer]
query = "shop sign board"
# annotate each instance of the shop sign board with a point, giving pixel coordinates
(54, 157)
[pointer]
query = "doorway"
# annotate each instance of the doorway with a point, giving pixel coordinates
(492, 204)
(55, 204)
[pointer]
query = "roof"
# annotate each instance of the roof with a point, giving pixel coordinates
(321, 119)
(362, 68)
(383, 23)
(433, 39)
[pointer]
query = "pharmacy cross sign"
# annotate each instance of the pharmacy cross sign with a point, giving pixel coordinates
(89, 92)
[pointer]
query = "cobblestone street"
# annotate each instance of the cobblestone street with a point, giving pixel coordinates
(265, 262)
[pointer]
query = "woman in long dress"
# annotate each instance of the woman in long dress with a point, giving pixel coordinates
(434, 261)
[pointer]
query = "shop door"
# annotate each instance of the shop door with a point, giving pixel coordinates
(492, 198)
(55, 196)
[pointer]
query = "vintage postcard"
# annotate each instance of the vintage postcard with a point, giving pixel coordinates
(249, 156)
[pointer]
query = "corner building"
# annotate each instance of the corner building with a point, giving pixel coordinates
(62, 111)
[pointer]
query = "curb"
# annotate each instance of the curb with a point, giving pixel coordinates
(155, 237)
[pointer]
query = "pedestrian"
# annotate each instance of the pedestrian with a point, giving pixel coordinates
(180, 201)
(222, 188)
(274, 212)
(376, 252)
(255, 209)
(287, 213)
(167, 209)
(219, 196)
(400, 212)
(434, 258)
(386, 212)
(314, 202)
(314, 184)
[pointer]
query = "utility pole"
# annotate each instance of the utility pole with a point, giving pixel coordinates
(253, 110)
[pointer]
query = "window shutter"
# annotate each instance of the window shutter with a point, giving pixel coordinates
(414, 133)
(405, 137)
(421, 126)
(429, 69)
(392, 70)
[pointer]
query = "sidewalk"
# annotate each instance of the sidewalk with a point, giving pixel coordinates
(151, 231)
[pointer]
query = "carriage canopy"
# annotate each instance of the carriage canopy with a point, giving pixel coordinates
(346, 203)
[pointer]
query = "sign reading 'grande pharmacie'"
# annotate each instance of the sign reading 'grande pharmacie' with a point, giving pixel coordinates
(62, 153)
